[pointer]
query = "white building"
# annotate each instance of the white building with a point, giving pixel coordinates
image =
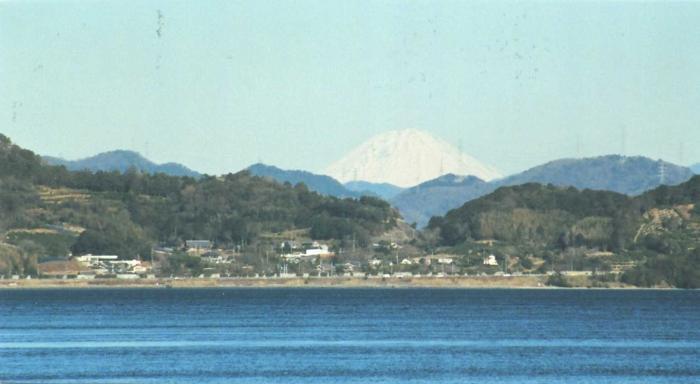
(104, 264)
(213, 258)
(317, 249)
(94, 260)
(311, 252)
(491, 261)
(128, 276)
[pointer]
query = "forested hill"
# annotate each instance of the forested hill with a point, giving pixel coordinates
(559, 216)
(658, 232)
(126, 214)
(541, 214)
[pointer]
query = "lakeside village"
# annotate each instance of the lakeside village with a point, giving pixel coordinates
(295, 259)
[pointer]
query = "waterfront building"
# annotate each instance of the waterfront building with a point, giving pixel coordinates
(491, 261)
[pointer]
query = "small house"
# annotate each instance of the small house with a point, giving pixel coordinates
(491, 261)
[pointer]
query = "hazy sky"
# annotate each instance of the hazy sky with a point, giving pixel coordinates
(218, 85)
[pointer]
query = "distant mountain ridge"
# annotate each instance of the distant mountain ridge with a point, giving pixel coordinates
(121, 160)
(695, 168)
(626, 175)
(322, 184)
(325, 185)
(384, 190)
(436, 197)
(622, 174)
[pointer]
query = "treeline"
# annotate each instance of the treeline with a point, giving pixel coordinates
(126, 214)
(681, 270)
(16, 261)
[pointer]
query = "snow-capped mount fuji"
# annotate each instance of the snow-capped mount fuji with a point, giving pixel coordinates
(406, 158)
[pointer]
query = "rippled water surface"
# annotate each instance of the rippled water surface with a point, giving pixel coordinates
(348, 336)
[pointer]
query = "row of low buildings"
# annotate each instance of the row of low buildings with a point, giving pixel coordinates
(97, 265)
(293, 253)
(200, 248)
(427, 260)
(290, 251)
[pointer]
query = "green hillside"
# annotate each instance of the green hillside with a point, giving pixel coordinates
(47, 211)
(533, 213)
(654, 236)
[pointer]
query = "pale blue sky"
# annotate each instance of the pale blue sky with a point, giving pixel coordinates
(299, 83)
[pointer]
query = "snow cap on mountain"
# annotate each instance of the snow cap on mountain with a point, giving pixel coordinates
(406, 158)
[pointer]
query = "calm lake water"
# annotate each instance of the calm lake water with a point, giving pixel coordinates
(349, 336)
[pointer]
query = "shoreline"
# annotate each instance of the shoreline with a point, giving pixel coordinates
(461, 282)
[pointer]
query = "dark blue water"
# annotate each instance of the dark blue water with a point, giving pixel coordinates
(349, 336)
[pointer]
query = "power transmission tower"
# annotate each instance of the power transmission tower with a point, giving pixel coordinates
(662, 172)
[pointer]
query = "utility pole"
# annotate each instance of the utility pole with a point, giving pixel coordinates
(353, 244)
(571, 263)
(397, 250)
